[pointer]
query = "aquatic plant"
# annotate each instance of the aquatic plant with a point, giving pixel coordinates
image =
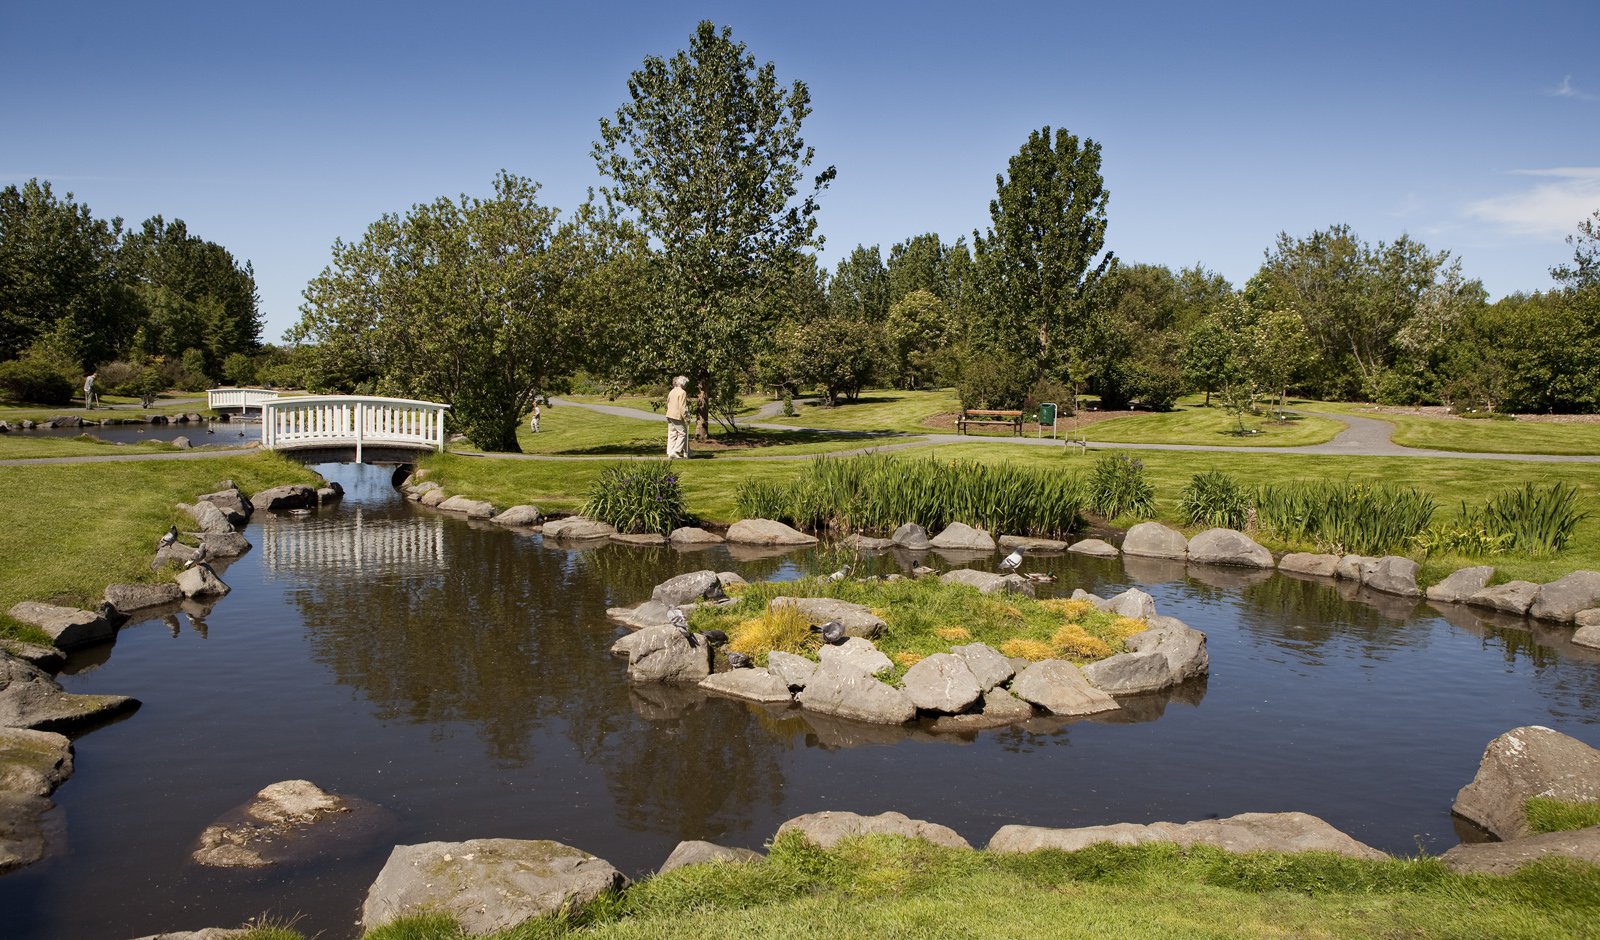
(1118, 487)
(1371, 519)
(1215, 499)
(637, 497)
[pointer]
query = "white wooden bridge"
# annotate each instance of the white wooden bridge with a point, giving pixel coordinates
(242, 400)
(342, 428)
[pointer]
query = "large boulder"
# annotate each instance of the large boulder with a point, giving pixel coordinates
(705, 853)
(1246, 832)
(1513, 597)
(829, 829)
(1030, 543)
(232, 502)
(767, 532)
(986, 664)
(1228, 547)
(575, 528)
(755, 685)
(521, 516)
(433, 497)
(648, 614)
(958, 536)
(486, 885)
(857, 542)
(471, 508)
(47, 658)
(1059, 687)
(1392, 574)
(1095, 548)
(226, 544)
(687, 588)
(33, 762)
(1182, 645)
(840, 688)
(25, 830)
(1307, 563)
(200, 581)
(1352, 568)
(1130, 673)
(1503, 858)
(68, 627)
(665, 654)
(288, 821)
(989, 582)
(207, 517)
(293, 496)
(998, 709)
(131, 597)
(1460, 585)
(1587, 636)
(29, 698)
(1523, 763)
(1561, 599)
(942, 683)
(911, 537)
(694, 535)
(856, 619)
(1154, 540)
(856, 654)
(793, 671)
(1132, 603)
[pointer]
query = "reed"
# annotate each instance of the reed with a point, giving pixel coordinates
(1118, 487)
(1345, 517)
(637, 497)
(1539, 520)
(1215, 499)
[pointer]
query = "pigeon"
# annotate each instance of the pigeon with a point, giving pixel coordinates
(739, 660)
(1013, 561)
(111, 614)
(832, 632)
(715, 637)
(840, 574)
(922, 571)
(169, 538)
(200, 557)
(676, 618)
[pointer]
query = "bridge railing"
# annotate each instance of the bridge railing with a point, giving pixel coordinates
(354, 421)
(241, 398)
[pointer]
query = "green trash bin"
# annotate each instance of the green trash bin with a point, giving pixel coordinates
(1047, 416)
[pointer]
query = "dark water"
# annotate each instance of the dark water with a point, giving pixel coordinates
(206, 432)
(457, 675)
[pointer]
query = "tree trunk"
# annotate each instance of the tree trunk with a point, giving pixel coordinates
(702, 412)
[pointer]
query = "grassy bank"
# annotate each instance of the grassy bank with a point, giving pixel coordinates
(68, 530)
(571, 431)
(21, 446)
(887, 887)
(1197, 424)
(877, 410)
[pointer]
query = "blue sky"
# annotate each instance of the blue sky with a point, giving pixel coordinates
(274, 128)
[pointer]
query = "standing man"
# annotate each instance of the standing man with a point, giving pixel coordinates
(88, 391)
(677, 410)
(534, 421)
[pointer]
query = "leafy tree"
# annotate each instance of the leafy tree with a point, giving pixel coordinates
(839, 354)
(194, 293)
(707, 155)
(859, 287)
(1131, 345)
(473, 302)
(1585, 267)
(918, 263)
(1041, 261)
(918, 327)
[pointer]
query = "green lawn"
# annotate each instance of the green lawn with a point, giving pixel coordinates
(21, 446)
(1474, 435)
(748, 404)
(876, 410)
(1197, 424)
(111, 406)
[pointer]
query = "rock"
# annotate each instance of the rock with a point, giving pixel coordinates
(286, 821)
(857, 654)
(31, 699)
(232, 503)
(1513, 597)
(999, 708)
(1059, 687)
(1030, 543)
(1079, 594)
(293, 496)
(1097, 548)
(1561, 599)
(756, 685)
(942, 683)
(26, 829)
(692, 535)
(767, 532)
(473, 508)
(182, 443)
(68, 627)
(194, 417)
(705, 853)
(1351, 568)
(1228, 547)
(843, 689)
(576, 528)
(856, 619)
(686, 588)
(1587, 618)
(639, 538)
(664, 654)
(1391, 574)
(432, 498)
(228, 544)
(827, 830)
(1130, 673)
(1307, 563)
(962, 537)
(331, 493)
(415, 491)
(46, 658)
(855, 541)
(200, 581)
(648, 614)
(1503, 858)
(730, 578)
(1183, 646)
(1154, 540)
(131, 597)
(1461, 585)
(911, 537)
(176, 553)
(794, 671)
(1588, 636)
(486, 885)
(33, 763)
(1132, 603)
(1522, 763)
(986, 665)
(988, 582)
(204, 933)
(1246, 832)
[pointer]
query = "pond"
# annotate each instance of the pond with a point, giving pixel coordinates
(235, 432)
(456, 674)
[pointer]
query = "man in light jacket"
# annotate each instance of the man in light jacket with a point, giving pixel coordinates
(677, 411)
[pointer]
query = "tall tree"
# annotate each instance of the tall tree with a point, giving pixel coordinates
(1585, 267)
(707, 154)
(859, 288)
(194, 294)
(1042, 260)
(478, 303)
(918, 263)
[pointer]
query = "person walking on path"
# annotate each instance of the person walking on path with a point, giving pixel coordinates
(677, 411)
(88, 391)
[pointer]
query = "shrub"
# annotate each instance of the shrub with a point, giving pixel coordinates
(995, 380)
(778, 628)
(1215, 499)
(1538, 520)
(1118, 487)
(637, 497)
(34, 382)
(1073, 642)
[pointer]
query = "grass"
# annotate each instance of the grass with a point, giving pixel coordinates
(882, 886)
(20, 446)
(1547, 815)
(70, 530)
(1476, 436)
(568, 431)
(877, 410)
(111, 406)
(1197, 424)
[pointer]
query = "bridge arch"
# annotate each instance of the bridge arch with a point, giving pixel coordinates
(365, 428)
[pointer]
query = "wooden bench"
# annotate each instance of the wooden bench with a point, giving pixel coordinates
(983, 416)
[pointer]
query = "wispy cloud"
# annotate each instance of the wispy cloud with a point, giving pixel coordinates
(1568, 90)
(1549, 209)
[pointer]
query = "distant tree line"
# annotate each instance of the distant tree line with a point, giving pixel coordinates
(148, 307)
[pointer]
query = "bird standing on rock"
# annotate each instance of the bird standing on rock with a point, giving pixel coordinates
(832, 632)
(739, 661)
(840, 574)
(676, 618)
(200, 557)
(715, 637)
(169, 538)
(1013, 561)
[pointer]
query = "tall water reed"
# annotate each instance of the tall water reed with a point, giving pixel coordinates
(1344, 516)
(637, 497)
